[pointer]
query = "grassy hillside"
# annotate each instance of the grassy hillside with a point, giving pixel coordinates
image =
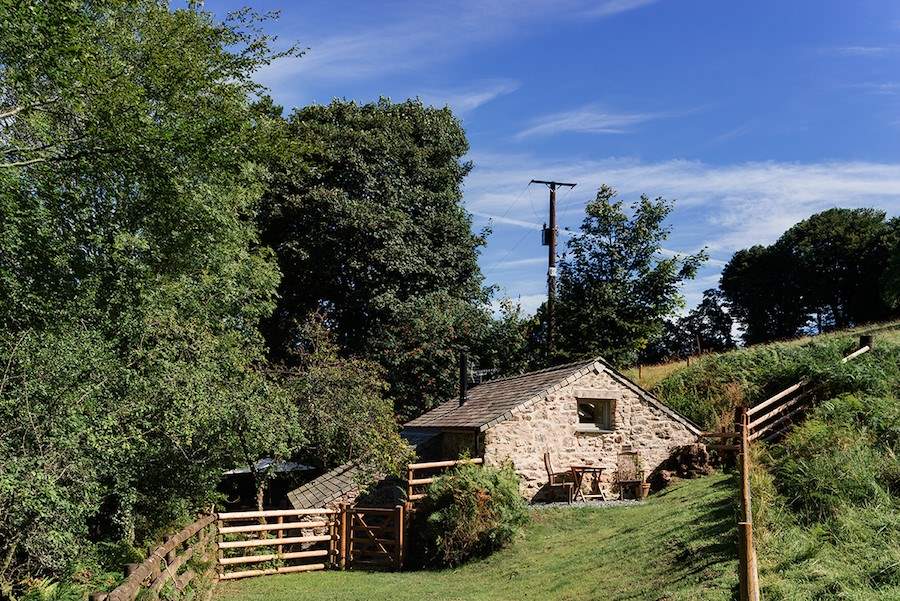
(678, 546)
(827, 497)
(707, 391)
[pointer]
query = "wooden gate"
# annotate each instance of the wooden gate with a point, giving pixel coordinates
(375, 537)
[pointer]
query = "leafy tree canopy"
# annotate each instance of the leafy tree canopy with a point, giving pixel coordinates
(706, 328)
(615, 286)
(364, 215)
(832, 270)
(131, 276)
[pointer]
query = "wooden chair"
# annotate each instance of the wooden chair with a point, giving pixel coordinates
(554, 481)
(629, 472)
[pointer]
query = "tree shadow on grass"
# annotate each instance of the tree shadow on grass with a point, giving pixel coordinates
(711, 540)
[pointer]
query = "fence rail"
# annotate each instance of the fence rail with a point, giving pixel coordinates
(774, 416)
(432, 469)
(166, 563)
(298, 540)
(767, 420)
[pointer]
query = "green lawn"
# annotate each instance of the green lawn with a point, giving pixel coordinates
(679, 545)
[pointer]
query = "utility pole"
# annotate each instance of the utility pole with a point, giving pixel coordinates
(550, 240)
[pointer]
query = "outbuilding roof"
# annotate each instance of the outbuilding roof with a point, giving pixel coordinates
(492, 402)
(334, 485)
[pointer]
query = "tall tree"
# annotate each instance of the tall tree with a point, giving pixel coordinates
(364, 214)
(131, 277)
(840, 256)
(615, 286)
(706, 328)
(828, 271)
(764, 296)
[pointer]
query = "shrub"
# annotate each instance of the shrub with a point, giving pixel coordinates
(470, 512)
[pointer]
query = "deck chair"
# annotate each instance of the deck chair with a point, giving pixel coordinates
(554, 481)
(629, 472)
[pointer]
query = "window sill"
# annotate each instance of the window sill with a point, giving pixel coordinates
(589, 429)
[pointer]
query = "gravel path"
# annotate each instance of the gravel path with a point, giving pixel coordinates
(591, 503)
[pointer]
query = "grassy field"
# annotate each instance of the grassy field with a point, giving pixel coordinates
(679, 545)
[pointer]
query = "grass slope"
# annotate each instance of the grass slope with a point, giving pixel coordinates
(826, 499)
(677, 546)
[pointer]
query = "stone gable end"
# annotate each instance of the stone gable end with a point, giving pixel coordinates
(550, 424)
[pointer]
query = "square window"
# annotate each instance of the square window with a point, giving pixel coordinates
(596, 412)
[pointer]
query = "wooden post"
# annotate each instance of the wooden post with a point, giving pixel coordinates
(345, 534)
(170, 556)
(640, 372)
(398, 526)
(865, 340)
(280, 548)
(749, 576)
(220, 552)
(332, 547)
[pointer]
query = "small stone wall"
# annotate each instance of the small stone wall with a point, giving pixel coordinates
(551, 424)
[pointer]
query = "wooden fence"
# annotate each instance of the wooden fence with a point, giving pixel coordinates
(375, 537)
(420, 475)
(748, 572)
(772, 418)
(278, 541)
(768, 421)
(168, 563)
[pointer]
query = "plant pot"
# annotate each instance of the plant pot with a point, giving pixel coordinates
(645, 490)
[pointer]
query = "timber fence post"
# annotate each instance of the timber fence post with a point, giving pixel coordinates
(399, 527)
(344, 542)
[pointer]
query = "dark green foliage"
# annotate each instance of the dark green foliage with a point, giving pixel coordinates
(365, 217)
(469, 512)
(341, 405)
(614, 287)
(508, 346)
(707, 328)
(131, 277)
(831, 270)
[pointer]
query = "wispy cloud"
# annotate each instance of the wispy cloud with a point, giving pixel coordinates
(590, 119)
(521, 263)
(469, 99)
(870, 51)
(725, 207)
(614, 7)
(413, 39)
(737, 132)
(885, 88)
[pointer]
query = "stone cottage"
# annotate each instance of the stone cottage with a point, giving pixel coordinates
(581, 413)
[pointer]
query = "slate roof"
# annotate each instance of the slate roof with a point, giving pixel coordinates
(327, 488)
(335, 484)
(492, 402)
(492, 399)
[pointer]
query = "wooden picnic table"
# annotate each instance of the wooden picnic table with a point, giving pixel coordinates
(578, 474)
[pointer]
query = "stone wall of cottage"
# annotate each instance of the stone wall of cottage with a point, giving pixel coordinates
(551, 424)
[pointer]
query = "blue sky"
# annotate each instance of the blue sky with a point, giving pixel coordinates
(751, 115)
